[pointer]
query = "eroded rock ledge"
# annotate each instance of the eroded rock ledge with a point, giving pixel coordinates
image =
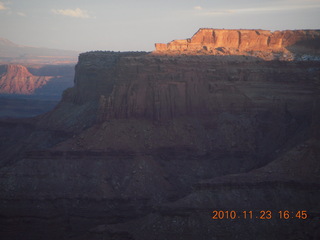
(284, 45)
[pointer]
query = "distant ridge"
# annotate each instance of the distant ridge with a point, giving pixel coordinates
(8, 43)
(13, 53)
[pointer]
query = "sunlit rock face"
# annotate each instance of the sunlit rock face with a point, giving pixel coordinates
(16, 79)
(266, 44)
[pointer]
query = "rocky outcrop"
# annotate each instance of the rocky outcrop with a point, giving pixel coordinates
(16, 79)
(238, 42)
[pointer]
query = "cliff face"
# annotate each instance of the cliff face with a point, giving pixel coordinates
(165, 87)
(16, 79)
(211, 103)
(239, 42)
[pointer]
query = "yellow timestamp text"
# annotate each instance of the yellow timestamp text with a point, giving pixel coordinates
(262, 214)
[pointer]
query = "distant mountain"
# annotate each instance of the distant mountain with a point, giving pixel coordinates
(6, 43)
(11, 52)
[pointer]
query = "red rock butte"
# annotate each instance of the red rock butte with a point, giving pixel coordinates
(16, 79)
(235, 42)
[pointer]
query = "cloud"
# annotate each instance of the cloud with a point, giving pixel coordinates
(2, 6)
(21, 14)
(197, 8)
(9, 11)
(219, 12)
(76, 13)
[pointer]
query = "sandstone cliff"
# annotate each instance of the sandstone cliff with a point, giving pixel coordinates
(16, 79)
(261, 43)
(161, 88)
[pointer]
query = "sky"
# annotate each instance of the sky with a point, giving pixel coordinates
(127, 25)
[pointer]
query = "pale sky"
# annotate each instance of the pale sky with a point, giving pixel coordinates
(128, 25)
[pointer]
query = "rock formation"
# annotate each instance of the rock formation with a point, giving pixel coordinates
(146, 146)
(265, 44)
(16, 79)
(160, 88)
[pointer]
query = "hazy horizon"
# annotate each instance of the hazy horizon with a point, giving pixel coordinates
(135, 26)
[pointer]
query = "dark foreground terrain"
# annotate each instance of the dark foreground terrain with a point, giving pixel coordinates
(148, 146)
(17, 107)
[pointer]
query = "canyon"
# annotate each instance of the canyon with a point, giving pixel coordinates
(148, 145)
(30, 90)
